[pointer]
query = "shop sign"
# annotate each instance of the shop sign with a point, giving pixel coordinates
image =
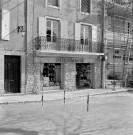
(75, 60)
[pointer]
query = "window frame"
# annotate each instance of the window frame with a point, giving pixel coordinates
(89, 36)
(56, 7)
(85, 32)
(53, 19)
(80, 2)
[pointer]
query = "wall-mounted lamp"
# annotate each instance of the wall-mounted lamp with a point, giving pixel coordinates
(103, 57)
(21, 30)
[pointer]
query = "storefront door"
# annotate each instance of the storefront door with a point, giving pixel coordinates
(84, 75)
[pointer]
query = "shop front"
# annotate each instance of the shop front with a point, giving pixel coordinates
(67, 73)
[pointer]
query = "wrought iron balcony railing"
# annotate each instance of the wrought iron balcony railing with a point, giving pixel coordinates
(66, 45)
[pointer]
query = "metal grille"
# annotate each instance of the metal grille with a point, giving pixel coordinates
(85, 6)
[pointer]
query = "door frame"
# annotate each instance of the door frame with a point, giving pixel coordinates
(13, 59)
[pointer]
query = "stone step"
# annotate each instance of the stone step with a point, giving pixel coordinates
(51, 88)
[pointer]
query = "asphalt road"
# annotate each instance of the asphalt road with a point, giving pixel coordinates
(106, 115)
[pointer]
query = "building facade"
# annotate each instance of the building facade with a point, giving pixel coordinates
(119, 38)
(50, 44)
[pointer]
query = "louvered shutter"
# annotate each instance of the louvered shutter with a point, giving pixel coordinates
(42, 26)
(94, 33)
(5, 33)
(64, 29)
(77, 31)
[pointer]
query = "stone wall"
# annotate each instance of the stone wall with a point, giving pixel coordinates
(97, 73)
(69, 11)
(33, 76)
(70, 76)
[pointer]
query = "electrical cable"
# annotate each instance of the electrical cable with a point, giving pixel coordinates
(17, 14)
(4, 3)
(13, 8)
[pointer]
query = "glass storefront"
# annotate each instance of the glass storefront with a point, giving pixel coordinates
(52, 74)
(84, 75)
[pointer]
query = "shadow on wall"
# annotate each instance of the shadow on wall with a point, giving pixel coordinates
(17, 131)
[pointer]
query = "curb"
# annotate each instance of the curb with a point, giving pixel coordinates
(38, 99)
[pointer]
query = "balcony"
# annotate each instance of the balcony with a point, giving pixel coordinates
(66, 46)
(119, 7)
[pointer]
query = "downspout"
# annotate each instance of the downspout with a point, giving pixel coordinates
(103, 80)
(25, 42)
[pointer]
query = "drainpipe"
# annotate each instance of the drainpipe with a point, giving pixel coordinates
(103, 60)
(25, 42)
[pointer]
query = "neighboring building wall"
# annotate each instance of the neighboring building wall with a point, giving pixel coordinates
(118, 33)
(16, 41)
(16, 44)
(119, 62)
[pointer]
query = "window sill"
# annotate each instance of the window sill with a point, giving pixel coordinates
(84, 13)
(50, 6)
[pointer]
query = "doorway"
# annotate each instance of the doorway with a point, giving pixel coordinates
(84, 75)
(12, 74)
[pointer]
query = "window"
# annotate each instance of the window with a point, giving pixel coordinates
(53, 3)
(128, 27)
(85, 6)
(52, 32)
(85, 34)
(117, 51)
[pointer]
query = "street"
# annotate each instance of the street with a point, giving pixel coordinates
(107, 115)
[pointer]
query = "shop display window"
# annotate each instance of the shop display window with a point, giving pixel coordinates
(52, 74)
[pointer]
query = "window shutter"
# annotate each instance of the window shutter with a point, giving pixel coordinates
(5, 33)
(77, 31)
(42, 26)
(94, 33)
(64, 29)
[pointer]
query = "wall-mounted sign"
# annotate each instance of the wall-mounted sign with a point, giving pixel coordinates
(117, 56)
(75, 60)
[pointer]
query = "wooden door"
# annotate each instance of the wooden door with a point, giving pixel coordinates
(12, 74)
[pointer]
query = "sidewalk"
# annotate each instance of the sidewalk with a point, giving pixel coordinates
(49, 96)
